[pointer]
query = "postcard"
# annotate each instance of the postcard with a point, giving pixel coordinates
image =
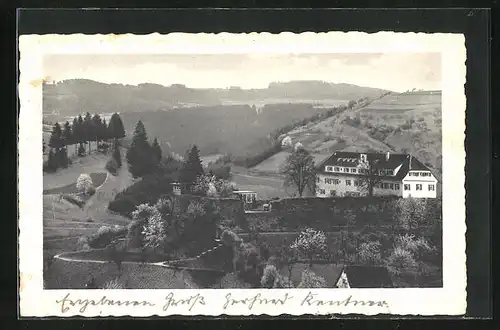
(242, 174)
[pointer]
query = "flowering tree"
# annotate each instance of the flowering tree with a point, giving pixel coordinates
(370, 252)
(211, 186)
(401, 260)
(310, 243)
(286, 142)
(84, 184)
(154, 232)
(310, 280)
(411, 212)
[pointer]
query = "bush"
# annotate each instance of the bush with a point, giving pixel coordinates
(271, 278)
(112, 166)
(83, 244)
(369, 253)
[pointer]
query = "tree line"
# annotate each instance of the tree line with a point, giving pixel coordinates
(81, 133)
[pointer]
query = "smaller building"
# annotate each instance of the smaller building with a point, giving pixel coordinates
(176, 188)
(247, 196)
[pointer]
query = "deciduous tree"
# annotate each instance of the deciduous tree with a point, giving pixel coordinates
(310, 243)
(369, 175)
(299, 170)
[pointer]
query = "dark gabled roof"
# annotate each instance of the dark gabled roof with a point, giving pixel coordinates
(368, 276)
(351, 159)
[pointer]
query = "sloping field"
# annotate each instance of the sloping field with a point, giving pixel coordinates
(97, 179)
(403, 123)
(95, 163)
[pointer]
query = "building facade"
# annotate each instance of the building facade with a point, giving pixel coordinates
(355, 174)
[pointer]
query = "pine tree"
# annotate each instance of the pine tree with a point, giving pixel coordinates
(75, 132)
(51, 161)
(105, 132)
(139, 155)
(67, 134)
(116, 154)
(88, 131)
(79, 133)
(56, 140)
(61, 156)
(156, 149)
(192, 167)
(115, 128)
(96, 128)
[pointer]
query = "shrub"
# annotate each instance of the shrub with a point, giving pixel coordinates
(196, 209)
(310, 280)
(370, 252)
(112, 166)
(401, 260)
(85, 185)
(83, 244)
(270, 277)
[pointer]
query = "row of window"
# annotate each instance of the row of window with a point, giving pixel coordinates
(356, 183)
(419, 187)
(337, 181)
(356, 170)
(392, 186)
(334, 193)
(419, 174)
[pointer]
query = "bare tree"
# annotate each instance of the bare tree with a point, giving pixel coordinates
(369, 176)
(299, 170)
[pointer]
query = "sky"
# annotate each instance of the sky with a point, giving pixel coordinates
(393, 71)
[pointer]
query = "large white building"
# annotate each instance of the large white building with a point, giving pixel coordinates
(352, 173)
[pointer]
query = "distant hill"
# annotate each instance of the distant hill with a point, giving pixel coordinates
(74, 96)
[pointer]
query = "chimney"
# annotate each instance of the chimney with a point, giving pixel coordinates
(387, 155)
(410, 163)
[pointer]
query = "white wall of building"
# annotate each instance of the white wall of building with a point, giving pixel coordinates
(419, 186)
(324, 188)
(339, 185)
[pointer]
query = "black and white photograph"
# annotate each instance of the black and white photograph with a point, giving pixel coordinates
(242, 170)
